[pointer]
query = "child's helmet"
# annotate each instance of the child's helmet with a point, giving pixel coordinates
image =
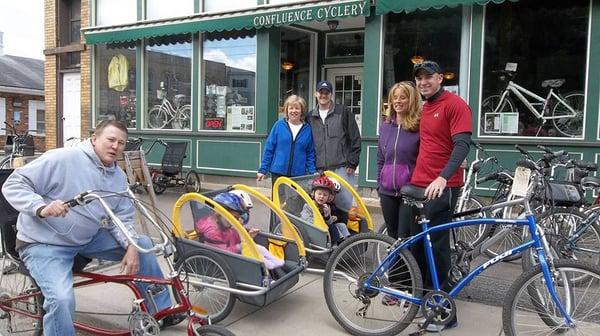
(323, 182)
(246, 200)
(337, 187)
(230, 201)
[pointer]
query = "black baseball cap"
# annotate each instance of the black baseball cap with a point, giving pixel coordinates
(430, 67)
(324, 85)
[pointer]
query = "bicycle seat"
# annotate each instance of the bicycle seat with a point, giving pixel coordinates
(179, 96)
(553, 83)
(414, 193)
(587, 165)
(590, 182)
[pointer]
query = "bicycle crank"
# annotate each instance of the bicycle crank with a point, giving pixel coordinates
(141, 323)
(438, 308)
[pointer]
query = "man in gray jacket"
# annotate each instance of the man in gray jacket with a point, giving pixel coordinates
(50, 234)
(337, 139)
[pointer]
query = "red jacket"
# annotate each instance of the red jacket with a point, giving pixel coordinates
(212, 234)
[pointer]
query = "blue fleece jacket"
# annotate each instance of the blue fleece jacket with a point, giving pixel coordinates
(62, 174)
(284, 156)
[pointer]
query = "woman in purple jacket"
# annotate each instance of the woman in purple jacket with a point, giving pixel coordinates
(397, 155)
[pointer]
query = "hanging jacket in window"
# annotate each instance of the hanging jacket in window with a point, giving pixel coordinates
(117, 73)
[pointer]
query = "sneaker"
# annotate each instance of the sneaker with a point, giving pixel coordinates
(389, 300)
(434, 328)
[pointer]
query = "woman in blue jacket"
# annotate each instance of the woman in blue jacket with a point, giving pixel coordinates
(289, 149)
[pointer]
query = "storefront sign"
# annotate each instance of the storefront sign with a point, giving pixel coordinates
(323, 13)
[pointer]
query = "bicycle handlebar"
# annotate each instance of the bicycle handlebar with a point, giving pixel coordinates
(89, 196)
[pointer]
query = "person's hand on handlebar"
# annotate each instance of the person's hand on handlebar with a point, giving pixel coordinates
(56, 208)
(131, 262)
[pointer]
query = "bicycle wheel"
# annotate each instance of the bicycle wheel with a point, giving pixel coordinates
(157, 118)
(512, 235)
(6, 163)
(212, 330)
(560, 227)
(192, 182)
(489, 105)
(472, 234)
(12, 285)
(159, 183)
(358, 310)
(569, 125)
(183, 117)
(528, 308)
(207, 267)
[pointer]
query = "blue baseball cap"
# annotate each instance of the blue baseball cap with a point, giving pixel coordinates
(430, 67)
(324, 85)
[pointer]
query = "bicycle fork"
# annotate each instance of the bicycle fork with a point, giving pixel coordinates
(547, 266)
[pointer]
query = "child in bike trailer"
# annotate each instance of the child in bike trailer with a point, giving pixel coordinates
(215, 231)
(323, 193)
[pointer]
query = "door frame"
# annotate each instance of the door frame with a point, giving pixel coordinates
(61, 140)
(352, 67)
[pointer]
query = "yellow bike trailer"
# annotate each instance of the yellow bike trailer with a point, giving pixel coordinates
(216, 277)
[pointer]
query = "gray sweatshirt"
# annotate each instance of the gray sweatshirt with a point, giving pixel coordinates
(62, 174)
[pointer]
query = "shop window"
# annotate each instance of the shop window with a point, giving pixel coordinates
(112, 12)
(160, 9)
(295, 65)
(115, 84)
(229, 59)
(417, 36)
(169, 88)
(549, 63)
(2, 115)
(347, 44)
(223, 6)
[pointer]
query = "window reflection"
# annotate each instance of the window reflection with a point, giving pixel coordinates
(552, 59)
(229, 63)
(169, 74)
(295, 65)
(115, 84)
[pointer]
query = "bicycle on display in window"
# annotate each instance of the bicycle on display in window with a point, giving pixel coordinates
(176, 114)
(564, 111)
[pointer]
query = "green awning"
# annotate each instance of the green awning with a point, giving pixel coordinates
(260, 17)
(397, 6)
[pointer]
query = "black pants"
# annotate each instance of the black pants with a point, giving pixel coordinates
(438, 211)
(398, 216)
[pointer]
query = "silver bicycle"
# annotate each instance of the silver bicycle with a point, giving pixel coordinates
(564, 111)
(179, 115)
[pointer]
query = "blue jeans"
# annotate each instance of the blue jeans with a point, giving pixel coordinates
(51, 267)
(344, 199)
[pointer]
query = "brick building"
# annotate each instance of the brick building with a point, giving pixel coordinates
(22, 97)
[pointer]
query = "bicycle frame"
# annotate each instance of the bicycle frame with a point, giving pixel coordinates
(173, 281)
(516, 89)
(538, 241)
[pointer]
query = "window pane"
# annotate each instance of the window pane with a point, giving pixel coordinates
(428, 35)
(539, 60)
(228, 59)
(110, 12)
(169, 74)
(159, 9)
(222, 6)
(115, 84)
(295, 65)
(345, 44)
(40, 121)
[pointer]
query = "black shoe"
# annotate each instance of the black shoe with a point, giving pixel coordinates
(172, 320)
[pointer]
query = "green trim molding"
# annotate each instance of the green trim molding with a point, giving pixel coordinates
(396, 6)
(261, 17)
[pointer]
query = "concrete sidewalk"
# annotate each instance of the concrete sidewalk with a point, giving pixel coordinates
(300, 311)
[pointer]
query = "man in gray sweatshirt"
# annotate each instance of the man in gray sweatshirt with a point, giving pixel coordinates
(50, 234)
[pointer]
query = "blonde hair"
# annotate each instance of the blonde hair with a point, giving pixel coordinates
(413, 117)
(294, 99)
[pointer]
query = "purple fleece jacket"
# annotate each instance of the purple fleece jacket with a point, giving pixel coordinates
(396, 157)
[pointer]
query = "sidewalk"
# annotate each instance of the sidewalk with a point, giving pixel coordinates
(302, 310)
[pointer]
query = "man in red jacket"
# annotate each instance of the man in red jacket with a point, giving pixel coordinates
(445, 133)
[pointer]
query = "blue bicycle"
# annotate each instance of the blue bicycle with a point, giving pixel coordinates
(367, 269)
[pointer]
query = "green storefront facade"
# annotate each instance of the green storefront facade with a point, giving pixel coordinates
(230, 70)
